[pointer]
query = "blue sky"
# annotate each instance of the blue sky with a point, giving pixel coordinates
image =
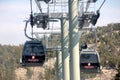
(110, 12)
(14, 12)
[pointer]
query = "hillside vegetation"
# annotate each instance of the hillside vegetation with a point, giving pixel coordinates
(108, 46)
(9, 59)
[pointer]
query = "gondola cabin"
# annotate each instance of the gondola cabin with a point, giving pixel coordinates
(89, 61)
(33, 53)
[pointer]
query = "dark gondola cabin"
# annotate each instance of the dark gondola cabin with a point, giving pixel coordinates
(33, 53)
(89, 61)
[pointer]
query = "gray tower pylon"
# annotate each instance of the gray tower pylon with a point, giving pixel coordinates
(74, 40)
(65, 48)
(59, 64)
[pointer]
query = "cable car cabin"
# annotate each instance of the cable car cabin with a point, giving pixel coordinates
(33, 53)
(89, 61)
